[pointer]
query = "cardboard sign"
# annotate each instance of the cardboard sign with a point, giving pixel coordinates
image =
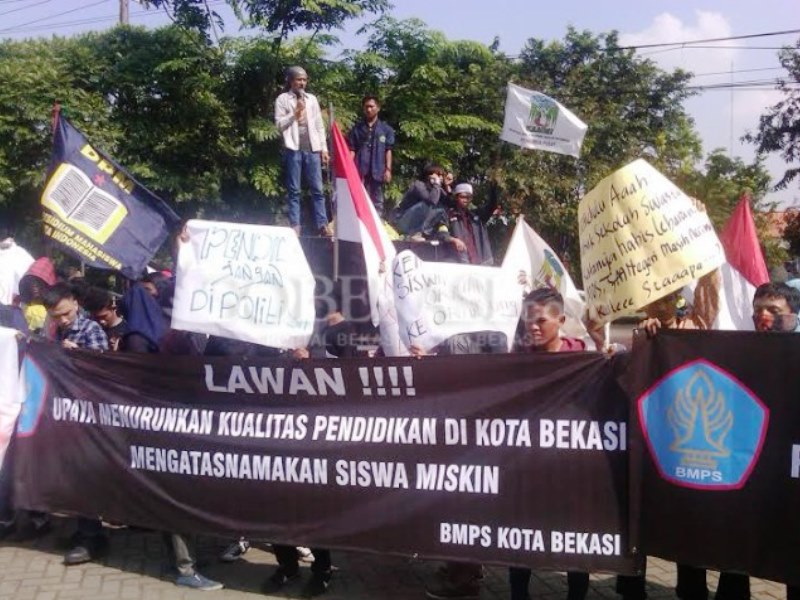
(641, 239)
(247, 282)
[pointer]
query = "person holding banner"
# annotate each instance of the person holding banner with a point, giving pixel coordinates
(666, 313)
(542, 318)
(455, 579)
(77, 331)
(299, 118)
(775, 308)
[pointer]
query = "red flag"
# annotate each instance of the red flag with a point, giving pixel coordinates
(358, 221)
(741, 245)
(365, 212)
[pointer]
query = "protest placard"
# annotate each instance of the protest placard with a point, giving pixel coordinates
(247, 282)
(434, 303)
(641, 238)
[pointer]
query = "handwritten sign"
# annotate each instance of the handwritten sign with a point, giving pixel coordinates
(641, 239)
(436, 301)
(248, 282)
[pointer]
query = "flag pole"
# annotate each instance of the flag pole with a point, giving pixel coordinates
(55, 114)
(332, 183)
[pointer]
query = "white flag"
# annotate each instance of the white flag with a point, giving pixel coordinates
(538, 122)
(528, 253)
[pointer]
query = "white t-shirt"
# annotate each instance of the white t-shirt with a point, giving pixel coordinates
(14, 262)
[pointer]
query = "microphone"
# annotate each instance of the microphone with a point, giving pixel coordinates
(301, 94)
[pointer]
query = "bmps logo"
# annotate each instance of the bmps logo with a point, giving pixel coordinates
(543, 115)
(704, 429)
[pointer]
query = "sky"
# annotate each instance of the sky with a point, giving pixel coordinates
(721, 116)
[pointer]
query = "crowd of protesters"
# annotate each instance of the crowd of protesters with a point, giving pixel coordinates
(137, 319)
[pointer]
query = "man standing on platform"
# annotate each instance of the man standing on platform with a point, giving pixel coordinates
(299, 118)
(371, 141)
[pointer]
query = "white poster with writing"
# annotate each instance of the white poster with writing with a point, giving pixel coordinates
(247, 282)
(436, 301)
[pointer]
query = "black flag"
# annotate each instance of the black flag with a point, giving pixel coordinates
(97, 211)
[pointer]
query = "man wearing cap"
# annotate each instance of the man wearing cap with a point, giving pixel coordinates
(299, 118)
(466, 229)
(371, 141)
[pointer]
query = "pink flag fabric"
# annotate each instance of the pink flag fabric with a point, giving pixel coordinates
(742, 248)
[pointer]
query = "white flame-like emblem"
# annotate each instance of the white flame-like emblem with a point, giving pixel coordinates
(701, 422)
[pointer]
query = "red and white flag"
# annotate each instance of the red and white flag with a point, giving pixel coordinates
(743, 272)
(358, 221)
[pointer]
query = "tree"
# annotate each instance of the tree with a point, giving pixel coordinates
(779, 128)
(633, 109)
(721, 184)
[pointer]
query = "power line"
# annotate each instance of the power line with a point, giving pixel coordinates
(709, 40)
(737, 71)
(85, 21)
(8, 12)
(66, 12)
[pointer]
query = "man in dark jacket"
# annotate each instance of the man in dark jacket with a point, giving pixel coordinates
(371, 141)
(466, 229)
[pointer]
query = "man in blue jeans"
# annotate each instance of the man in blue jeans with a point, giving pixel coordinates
(299, 118)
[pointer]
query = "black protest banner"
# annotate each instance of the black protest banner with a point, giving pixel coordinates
(508, 459)
(717, 446)
(96, 211)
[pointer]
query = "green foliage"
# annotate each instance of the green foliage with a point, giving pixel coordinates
(792, 233)
(194, 120)
(722, 183)
(779, 127)
(633, 109)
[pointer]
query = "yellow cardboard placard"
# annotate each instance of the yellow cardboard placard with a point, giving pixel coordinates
(641, 238)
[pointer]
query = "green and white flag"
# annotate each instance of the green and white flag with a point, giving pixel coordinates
(538, 122)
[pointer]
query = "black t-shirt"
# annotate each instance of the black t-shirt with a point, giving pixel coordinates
(118, 331)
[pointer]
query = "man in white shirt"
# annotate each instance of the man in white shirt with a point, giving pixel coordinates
(299, 118)
(14, 262)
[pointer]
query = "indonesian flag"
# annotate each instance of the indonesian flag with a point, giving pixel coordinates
(358, 221)
(743, 272)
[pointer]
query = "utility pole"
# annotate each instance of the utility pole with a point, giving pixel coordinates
(123, 12)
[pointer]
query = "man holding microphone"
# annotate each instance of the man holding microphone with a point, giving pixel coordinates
(299, 118)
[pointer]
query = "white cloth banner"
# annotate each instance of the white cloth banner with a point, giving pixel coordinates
(247, 282)
(535, 121)
(436, 301)
(9, 390)
(534, 261)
